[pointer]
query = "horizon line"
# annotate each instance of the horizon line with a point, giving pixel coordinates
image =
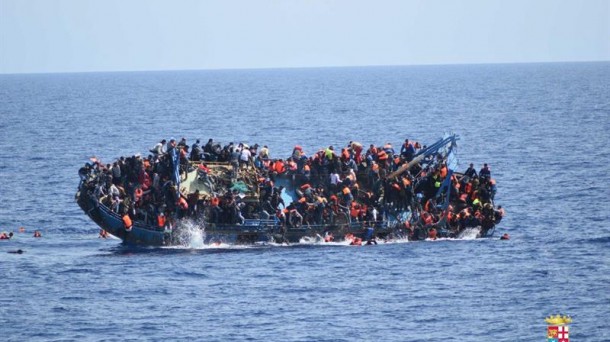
(297, 67)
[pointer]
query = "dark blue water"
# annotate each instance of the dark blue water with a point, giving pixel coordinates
(543, 128)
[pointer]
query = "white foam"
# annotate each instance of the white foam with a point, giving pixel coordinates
(189, 234)
(469, 233)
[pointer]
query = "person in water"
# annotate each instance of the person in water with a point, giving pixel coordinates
(37, 234)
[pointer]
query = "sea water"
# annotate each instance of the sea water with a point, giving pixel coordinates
(543, 128)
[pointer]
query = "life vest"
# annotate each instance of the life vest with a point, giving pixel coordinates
(468, 188)
(279, 167)
(428, 205)
(147, 181)
(427, 218)
(306, 168)
(161, 221)
(305, 186)
(292, 166)
(345, 154)
(127, 222)
(215, 201)
(354, 211)
(443, 172)
(382, 155)
(346, 191)
(183, 204)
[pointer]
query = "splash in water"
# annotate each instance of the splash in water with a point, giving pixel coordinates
(189, 234)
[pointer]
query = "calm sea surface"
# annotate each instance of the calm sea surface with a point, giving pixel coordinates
(543, 128)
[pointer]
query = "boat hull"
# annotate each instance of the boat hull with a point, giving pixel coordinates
(253, 231)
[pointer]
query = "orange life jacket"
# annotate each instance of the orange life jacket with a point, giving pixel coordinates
(279, 167)
(443, 172)
(427, 218)
(292, 165)
(127, 222)
(161, 221)
(182, 203)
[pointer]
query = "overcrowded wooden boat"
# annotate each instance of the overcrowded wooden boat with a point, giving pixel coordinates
(238, 194)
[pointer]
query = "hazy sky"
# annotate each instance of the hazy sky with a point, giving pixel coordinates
(104, 35)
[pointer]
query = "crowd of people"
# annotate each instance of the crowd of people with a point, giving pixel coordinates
(329, 187)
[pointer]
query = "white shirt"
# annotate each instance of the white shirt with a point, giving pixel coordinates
(245, 155)
(334, 178)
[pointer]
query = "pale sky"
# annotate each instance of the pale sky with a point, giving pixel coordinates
(121, 35)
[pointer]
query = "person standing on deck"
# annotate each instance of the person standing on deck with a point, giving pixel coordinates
(485, 172)
(471, 172)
